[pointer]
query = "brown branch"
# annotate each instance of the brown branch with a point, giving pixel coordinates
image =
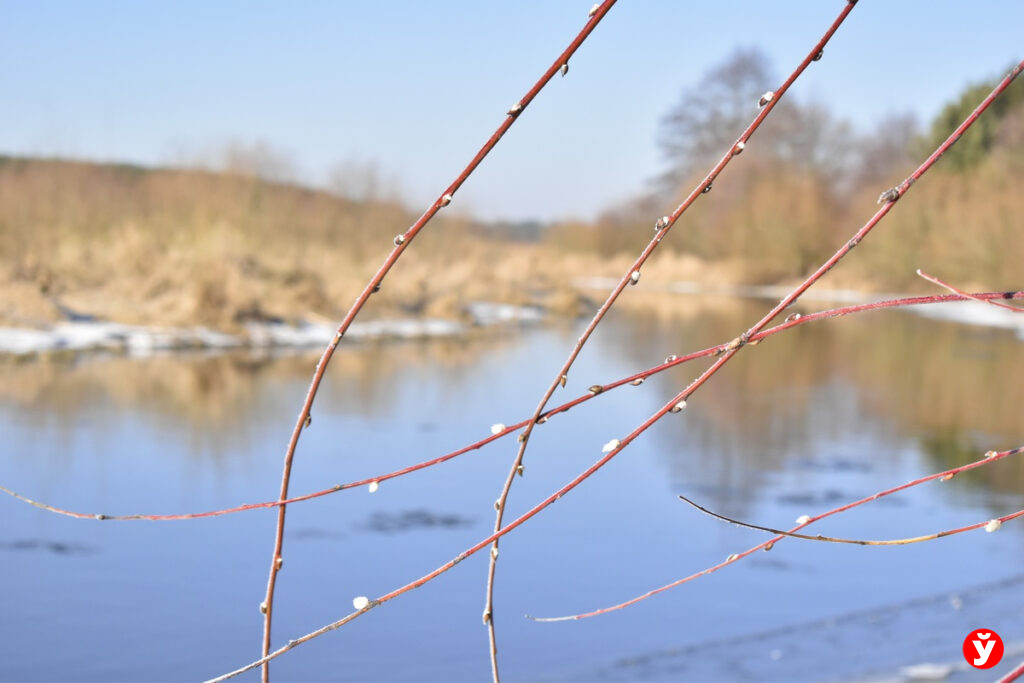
(991, 525)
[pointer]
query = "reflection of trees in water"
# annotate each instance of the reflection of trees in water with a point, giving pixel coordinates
(956, 390)
(219, 396)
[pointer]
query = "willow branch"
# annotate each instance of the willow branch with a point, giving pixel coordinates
(945, 285)
(632, 276)
(1017, 673)
(946, 475)
(402, 242)
(615, 446)
(990, 525)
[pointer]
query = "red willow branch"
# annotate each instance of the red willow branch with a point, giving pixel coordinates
(945, 285)
(1013, 675)
(596, 390)
(946, 475)
(632, 276)
(615, 446)
(990, 526)
(402, 242)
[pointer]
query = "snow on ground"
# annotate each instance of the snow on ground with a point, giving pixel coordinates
(86, 335)
(964, 312)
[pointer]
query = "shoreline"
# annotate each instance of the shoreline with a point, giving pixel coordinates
(73, 336)
(972, 313)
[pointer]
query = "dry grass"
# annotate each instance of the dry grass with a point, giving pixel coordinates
(183, 247)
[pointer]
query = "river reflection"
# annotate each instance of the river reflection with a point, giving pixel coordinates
(816, 417)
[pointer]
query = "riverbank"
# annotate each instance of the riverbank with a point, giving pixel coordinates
(78, 334)
(139, 340)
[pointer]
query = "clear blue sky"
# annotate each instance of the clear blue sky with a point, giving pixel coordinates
(416, 87)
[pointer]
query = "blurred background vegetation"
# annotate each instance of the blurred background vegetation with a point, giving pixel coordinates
(237, 239)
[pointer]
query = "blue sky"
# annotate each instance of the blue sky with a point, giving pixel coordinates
(414, 88)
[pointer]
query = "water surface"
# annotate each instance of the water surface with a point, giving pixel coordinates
(799, 424)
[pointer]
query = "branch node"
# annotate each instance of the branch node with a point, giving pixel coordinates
(993, 526)
(671, 359)
(817, 57)
(399, 240)
(516, 109)
(634, 277)
(678, 407)
(374, 485)
(497, 428)
(765, 99)
(446, 199)
(890, 195)
(565, 69)
(738, 149)
(593, 10)
(595, 389)
(661, 223)
(638, 381)
(610, 446)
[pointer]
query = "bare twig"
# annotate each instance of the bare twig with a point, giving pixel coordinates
(988, 458)
(401, 244)
(1013, 675)
(945, 285)
(990, 525)
(615, 446)
(662, 227)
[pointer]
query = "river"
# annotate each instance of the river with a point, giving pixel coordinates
(808, 420)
